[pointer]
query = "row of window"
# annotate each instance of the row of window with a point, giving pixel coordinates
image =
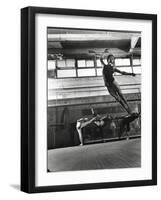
(83, 68)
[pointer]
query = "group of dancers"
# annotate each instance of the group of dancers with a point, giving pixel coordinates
(113, 88)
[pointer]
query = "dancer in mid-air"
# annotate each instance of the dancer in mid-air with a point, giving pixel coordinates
(108, 70)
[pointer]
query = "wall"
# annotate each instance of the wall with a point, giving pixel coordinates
(77, 89)
(10, 100)
(77, 94)
(62, 121)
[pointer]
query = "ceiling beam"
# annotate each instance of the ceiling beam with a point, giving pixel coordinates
(91, 37)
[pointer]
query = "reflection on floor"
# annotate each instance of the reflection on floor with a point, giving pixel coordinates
(111, 155)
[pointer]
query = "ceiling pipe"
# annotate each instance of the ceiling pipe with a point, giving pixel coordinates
(90, 37)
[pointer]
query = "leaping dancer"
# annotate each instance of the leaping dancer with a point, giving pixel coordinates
(110, 82)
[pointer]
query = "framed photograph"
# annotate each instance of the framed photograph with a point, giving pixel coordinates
(88, 99)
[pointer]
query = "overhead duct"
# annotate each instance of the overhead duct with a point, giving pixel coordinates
(90, 37)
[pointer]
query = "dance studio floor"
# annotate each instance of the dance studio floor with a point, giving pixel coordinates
(110, 155)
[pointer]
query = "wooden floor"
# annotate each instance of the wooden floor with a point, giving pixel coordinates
(110, 155)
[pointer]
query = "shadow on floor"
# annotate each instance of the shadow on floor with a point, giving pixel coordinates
(15, 186)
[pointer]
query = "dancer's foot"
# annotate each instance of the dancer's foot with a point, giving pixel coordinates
(127, 138)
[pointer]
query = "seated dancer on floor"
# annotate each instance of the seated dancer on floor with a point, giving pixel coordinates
(108, 70)
(125, 122)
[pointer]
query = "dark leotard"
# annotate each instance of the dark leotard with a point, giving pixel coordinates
(108, 74)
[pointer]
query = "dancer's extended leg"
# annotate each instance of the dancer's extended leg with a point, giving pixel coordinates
(120, 94)
(123, 103)
(115, 91)
(79, 130)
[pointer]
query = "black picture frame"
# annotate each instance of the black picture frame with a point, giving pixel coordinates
(28, 98)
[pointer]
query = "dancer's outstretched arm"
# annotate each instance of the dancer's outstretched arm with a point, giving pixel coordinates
(84, 124)
(88, 122)
(101, 59)
(124, 73)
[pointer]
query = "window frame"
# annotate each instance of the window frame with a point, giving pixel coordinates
(95, 66)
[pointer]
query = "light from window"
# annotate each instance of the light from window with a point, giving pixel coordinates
(70, 63)
(99, 72)
(99, 64)
(61, 63)
(86, 72)
(66, 73)
(122, 61)
(51, 64)
(89, 63)
(137, 70)
(81, 63)
(137, 61)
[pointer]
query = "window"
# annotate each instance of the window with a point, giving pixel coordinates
(137, 61)
(86, 72)
(70, 63)
(51, 64)
(137, 70)
(85, 63)
(98, 62)
(122, 62)
(88, 68)
(68, 68)
(99, 72)
(81, 63)
(137, 65)
(66, 73)
(89, 63)
(61, 63)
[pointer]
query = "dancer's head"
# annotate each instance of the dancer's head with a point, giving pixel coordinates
(111, 60)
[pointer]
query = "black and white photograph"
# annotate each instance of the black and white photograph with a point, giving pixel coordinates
(93, 99)
(89, 109)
